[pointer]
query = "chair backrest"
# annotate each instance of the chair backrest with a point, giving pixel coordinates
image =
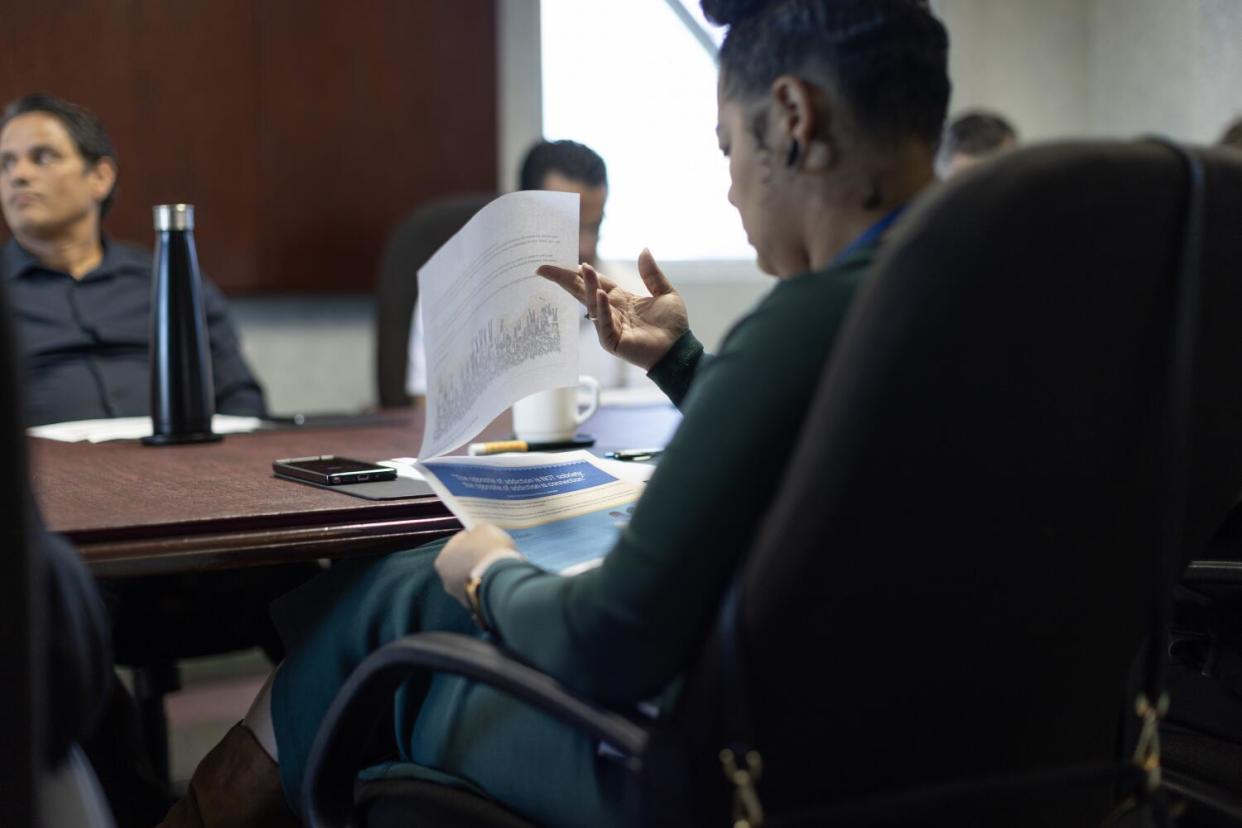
(956, 580)
(21, 715)
(411, 244)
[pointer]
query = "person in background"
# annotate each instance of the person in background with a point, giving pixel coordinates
(81, 300)
(566, 167)
(80, 304)
(1233, 135)
(821, 165)
(971, 138)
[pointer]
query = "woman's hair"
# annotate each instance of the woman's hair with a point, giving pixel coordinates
(886, 59)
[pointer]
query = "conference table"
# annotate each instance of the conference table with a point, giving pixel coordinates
(132, 509)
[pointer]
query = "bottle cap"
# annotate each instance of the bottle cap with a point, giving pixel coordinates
(173, 217)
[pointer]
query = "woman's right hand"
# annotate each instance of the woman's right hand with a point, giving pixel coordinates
(639, 329)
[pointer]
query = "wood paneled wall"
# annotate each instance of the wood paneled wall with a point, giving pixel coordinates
(302, 130)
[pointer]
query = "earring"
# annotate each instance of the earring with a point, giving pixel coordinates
(792, 158)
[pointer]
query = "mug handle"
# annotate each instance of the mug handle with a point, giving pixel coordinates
(592, 384)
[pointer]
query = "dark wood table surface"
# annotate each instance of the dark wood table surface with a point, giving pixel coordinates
(133, 509)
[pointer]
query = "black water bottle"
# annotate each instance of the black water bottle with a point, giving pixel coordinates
(182, 399)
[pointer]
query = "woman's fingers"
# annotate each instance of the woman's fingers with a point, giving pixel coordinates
(605, 325)
(590, 281)
(653, 277)
(570, 280)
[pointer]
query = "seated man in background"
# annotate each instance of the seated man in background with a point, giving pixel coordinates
(81, 310)
(1233, 135)
(971, 138)
(81, 301)
(567, 167)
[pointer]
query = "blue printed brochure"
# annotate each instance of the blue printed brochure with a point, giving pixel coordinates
(564, 510)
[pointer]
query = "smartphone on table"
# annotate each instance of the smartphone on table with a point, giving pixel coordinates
(330, 470)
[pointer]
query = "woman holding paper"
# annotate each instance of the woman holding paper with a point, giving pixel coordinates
(829, 113)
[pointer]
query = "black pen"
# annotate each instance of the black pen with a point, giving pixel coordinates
(635, 454)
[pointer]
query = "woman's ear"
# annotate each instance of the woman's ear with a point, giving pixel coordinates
(802, 129)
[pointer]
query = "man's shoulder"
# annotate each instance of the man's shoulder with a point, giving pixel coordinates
(129, 254)
(13, 258)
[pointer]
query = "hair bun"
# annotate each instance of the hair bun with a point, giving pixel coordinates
(731, 12)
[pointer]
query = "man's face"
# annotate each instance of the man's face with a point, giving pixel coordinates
(591, 211)
(46, 186)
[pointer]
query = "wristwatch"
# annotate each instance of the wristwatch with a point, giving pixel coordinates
(475, 580)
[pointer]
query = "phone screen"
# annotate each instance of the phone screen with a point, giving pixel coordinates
(335, 465)
(331, 470)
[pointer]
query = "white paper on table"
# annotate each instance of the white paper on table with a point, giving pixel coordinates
(130, 428)
(494, 330)
(404, 466)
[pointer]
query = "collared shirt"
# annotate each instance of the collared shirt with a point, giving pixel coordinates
(84, 342)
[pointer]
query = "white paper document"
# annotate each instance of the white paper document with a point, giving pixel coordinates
(494, 330)
(130, 428)
(564, 510)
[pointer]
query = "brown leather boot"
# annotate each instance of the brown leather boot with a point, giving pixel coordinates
(236, 785)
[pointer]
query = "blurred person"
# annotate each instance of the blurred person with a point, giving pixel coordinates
(566, 167)
(70, 624)
(1233, 135)
(80, 303)
(821, 167)
(971, 138)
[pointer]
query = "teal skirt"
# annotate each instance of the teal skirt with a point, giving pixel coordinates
(444, 728)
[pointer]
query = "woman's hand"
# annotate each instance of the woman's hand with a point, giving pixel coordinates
(464, 551)
(639, 329)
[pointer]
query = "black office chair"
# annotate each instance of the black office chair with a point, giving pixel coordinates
(940, 621)
(1202, 735)
(411, 244)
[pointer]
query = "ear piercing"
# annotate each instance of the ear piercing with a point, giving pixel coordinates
(792, 158)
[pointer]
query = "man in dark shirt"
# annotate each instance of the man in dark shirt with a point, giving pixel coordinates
(82, 301)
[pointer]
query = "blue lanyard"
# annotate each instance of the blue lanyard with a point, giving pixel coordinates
(870, 234)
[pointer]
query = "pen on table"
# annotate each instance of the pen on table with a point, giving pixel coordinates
(477, 449)
(635, 454)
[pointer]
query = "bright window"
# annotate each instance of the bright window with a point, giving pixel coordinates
(631, 81)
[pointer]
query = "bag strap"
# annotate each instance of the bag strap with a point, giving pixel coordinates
(742, 762)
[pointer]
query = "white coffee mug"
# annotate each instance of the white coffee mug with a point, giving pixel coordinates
(553, 415)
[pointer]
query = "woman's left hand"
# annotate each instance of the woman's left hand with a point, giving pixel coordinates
(464, 551)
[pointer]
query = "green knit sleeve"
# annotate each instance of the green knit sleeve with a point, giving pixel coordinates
(676, 370)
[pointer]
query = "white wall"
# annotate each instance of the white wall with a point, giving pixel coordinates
(1027, 59)
(1167, 66)
(1115, 68)
(312, 355)
(518, 84)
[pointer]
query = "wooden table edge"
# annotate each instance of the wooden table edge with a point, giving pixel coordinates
(222, 550)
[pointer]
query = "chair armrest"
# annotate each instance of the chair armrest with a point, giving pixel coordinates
(1213, 572)
(333, 764)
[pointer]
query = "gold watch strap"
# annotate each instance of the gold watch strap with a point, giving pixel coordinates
(474, 582)
(472, 598)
